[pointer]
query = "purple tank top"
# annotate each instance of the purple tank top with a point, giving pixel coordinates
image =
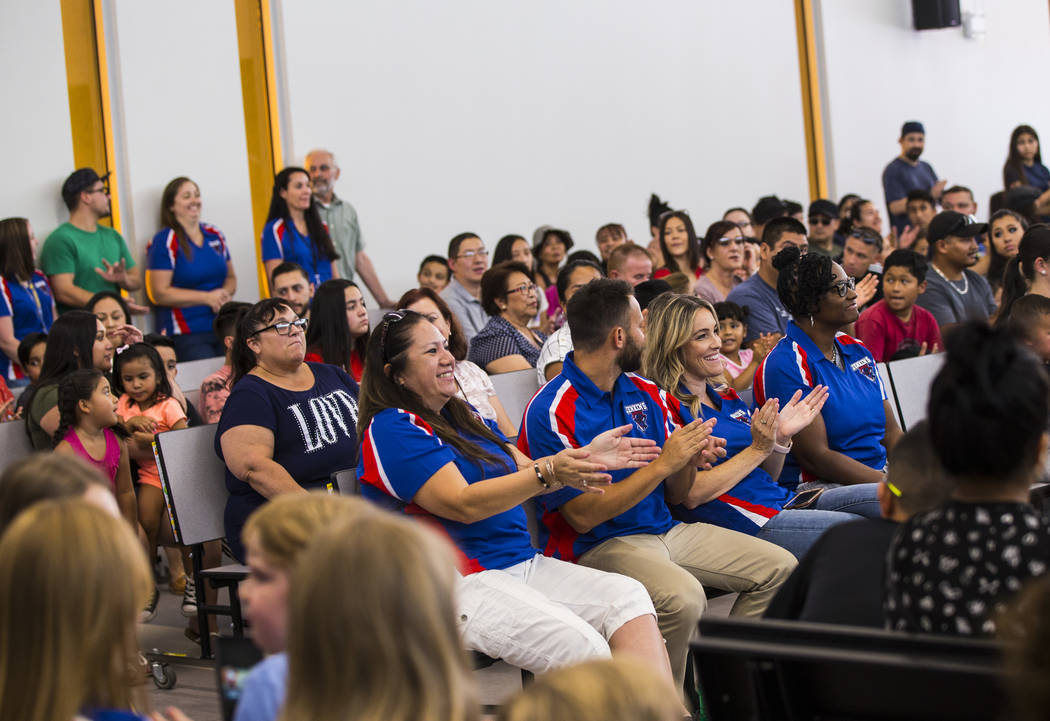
(109, 463)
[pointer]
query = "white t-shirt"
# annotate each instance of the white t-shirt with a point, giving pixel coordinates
(555, 348)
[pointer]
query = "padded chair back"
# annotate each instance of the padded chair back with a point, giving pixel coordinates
(912, 378)
(345, 481)
(801, 671)
(515, 390)
(14, 443)
(193, 396)
(193, 373)
(194, 481)
(375, 317)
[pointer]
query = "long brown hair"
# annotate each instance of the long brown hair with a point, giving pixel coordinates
(387, 356)
(167, 215)
(66, 651)
(406, 661)
(16, 252)
(457, 344)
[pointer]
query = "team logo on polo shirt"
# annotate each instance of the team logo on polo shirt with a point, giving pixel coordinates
(638, 414)
(865, 368)
(741, 415)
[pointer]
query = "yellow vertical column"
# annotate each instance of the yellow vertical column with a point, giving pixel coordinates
(87, 78)
(261, 124)
(812, 111)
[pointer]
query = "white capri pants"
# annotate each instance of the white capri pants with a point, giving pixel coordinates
(544, 613)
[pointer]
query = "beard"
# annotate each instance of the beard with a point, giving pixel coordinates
(913, 154)
(321, 187)
(630, 357)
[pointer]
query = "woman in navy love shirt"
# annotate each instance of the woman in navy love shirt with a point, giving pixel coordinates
(294, 230)
(430, 455)
(847, 444)
(741, 492)
(189, 274)
(26, 303)
(287, 425)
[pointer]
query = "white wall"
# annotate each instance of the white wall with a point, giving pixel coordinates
(37, 141)
(178, 108)
(879, 72)
(498, 117)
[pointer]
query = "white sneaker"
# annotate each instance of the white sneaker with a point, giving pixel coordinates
(189, 599)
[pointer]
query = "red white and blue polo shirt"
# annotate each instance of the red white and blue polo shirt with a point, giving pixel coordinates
(205, 270)
(31, 309)
(748, 505)
(569, 412)
(282, 241)
(854, 416)
(400, 453)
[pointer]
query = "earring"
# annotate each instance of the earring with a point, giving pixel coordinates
(811, 321)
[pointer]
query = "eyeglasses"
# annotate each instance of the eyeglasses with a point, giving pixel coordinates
(394, 316)
(843, 287)
(468, 254)
(723, 242)
(284, 327)
(103, 189)
(524, 289)
(820, 220)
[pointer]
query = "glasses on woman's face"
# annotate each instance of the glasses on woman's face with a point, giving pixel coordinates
(525, 289)
(843, 287)
(725, 242)
(284, 327)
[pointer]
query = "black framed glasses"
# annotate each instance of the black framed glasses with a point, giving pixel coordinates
(843, 287)
(821, 220)
(284, 327)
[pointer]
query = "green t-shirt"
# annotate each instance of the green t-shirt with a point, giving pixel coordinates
(70, 250)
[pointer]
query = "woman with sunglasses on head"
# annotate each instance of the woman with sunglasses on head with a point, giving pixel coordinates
(428, 454)
(722, 248)
(506, 343)
(287, 424)
(847, 443)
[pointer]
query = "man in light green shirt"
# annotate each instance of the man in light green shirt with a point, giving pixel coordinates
(341, 219)
(81, 257)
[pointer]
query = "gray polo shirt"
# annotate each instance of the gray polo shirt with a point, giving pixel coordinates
(341, 219)
(472, 317)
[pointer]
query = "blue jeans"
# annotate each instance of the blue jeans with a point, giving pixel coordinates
(796, 529)
(195, 346)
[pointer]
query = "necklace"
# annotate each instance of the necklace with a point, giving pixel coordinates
(966, 281)
(836, 358)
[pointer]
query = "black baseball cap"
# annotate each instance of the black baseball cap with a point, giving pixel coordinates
(80, 180)
(949, 222)
(823, 206)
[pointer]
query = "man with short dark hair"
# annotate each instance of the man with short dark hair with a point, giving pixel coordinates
(628, 529)
(631, 263)
(759, 292)
(906, 172)
(468, 260)
(81, 257)
(766, 209)
(343, 227)
(291, 283)
(954, 293)
(823, 221)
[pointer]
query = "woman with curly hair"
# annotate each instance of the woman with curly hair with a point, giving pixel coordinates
(847, 443)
